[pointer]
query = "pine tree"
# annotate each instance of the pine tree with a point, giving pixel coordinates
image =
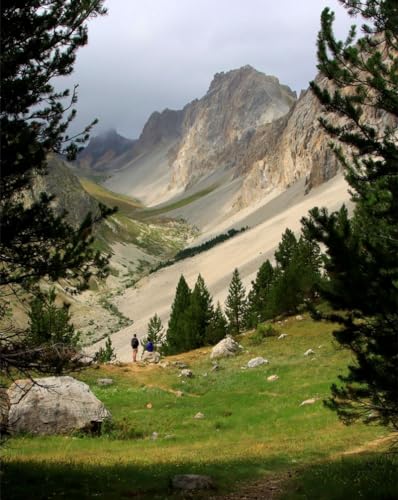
(39, 40)
(361, 111)
(51, 333)
(235, 305)
(155, 333)
(176, 332)
(258, 295)
(217, 328)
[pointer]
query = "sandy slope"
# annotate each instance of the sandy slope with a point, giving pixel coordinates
(246, 251)
(145, 177)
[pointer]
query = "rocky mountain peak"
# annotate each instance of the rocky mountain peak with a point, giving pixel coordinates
(161, 126)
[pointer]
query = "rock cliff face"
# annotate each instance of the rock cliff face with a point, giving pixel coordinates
(248, 127)
(290, 148)
(236, 104)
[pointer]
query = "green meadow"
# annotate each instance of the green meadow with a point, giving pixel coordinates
(253, 430)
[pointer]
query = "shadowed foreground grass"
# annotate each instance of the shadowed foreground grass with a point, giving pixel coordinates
(252, 429)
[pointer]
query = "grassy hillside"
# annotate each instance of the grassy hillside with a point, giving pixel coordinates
(252, 430)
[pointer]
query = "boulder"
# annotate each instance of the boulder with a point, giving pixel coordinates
(192, 482)
(253, 363)
(150, 357)
(308, 402)
(4, 409)
(226, 347)
(54, 405)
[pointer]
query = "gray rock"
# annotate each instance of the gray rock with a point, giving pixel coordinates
(226, 347)
(164, 364)
(150, 357)
(186, 373)
(104, 381)
(54, 405)
(253, 363)
(192, 482)
(4, 409)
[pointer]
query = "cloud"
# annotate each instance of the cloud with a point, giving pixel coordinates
(157, 54)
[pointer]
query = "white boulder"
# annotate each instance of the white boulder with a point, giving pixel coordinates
(226, 347)
(54, 405)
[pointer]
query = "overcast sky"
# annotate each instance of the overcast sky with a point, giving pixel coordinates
(149, 55)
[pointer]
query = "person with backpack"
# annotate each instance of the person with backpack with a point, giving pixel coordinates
(134, 345)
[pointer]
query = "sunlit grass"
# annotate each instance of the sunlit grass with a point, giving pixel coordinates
(251, 427)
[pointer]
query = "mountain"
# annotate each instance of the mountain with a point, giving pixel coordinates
(178, 150)
(105, 151)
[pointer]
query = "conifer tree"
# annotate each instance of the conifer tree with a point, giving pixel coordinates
(258, 295)
(235, 305)
(361, 111)
(39, 40)
(217, 328)
(199, 315)
(176, 332)
(155, 332)
(51, 333)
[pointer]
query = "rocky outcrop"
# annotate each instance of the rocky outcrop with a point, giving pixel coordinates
(286, 150)
(54, 405)
(236, 104)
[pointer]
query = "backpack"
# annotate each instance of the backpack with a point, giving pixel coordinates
(134, 343)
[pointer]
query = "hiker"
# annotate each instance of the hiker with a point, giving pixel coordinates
(134, 345)
(149, 346)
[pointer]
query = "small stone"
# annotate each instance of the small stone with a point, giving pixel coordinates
(104, 381)
(149, 406)
(282, 336)
(164, 364)
(170, 436)
(205, 374)
(186, 373)
(215, 367)
(192, 482)
(272, 378)
(309, 352)
(154, 436)
(180, 364)
(179, 394)
(299, 317)
(308, 402)
(199, 416)
(253, 363)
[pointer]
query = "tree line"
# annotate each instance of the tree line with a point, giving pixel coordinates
(277, 290)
